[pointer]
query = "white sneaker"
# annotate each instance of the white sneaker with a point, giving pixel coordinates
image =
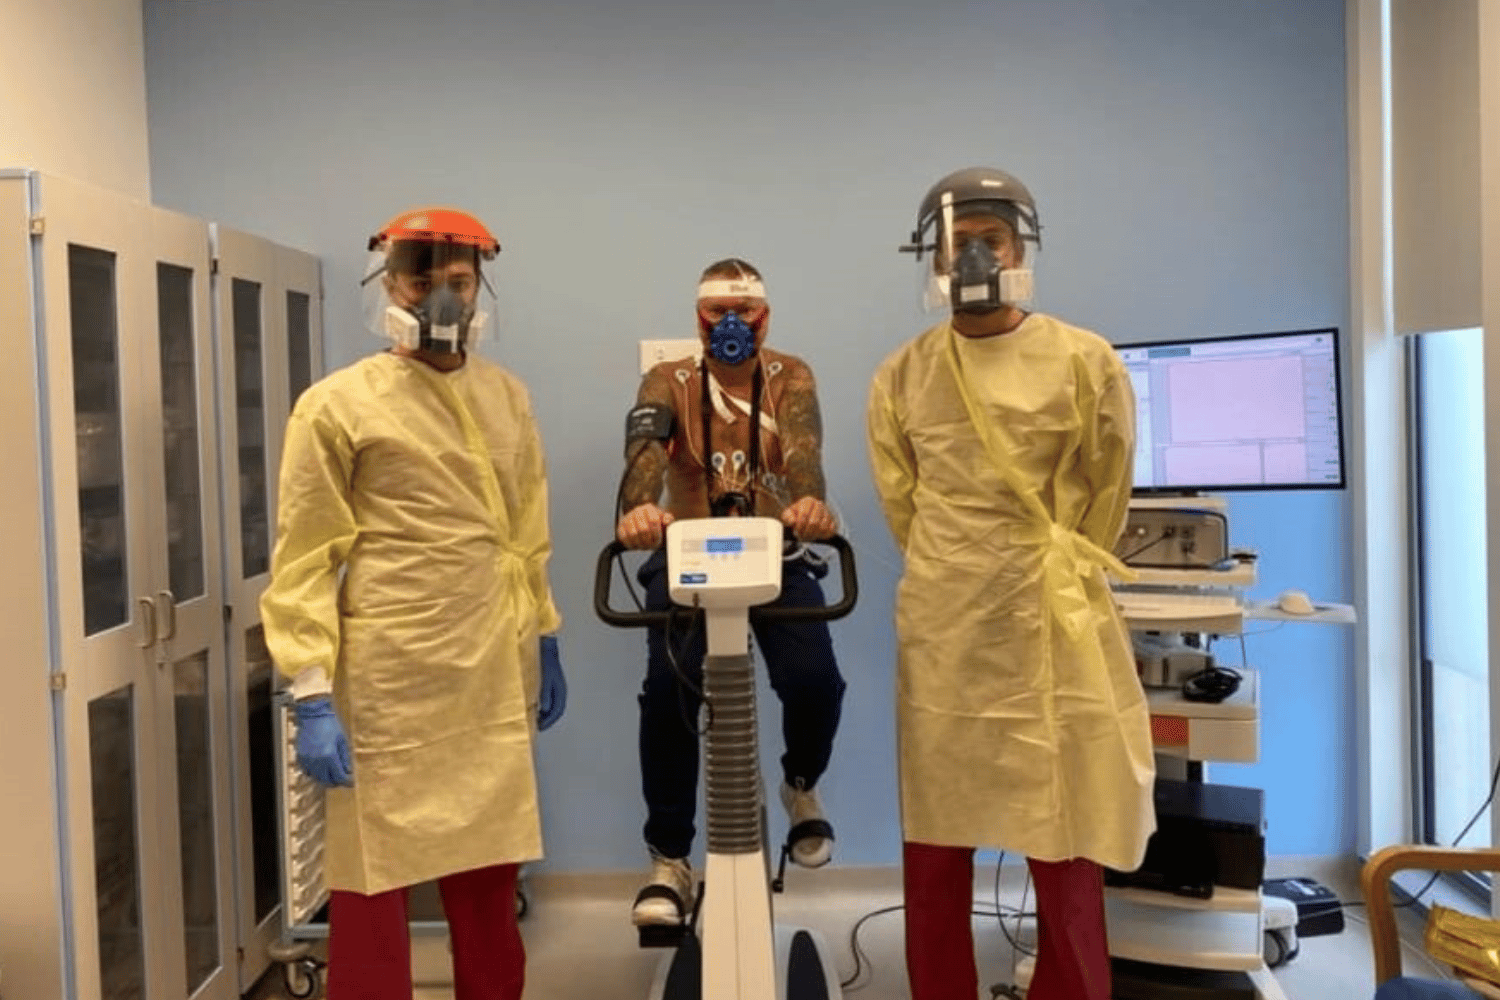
(667, 898)
(811, 835)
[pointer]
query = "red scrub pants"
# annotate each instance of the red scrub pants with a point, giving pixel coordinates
(369, 940)
(1072, 948)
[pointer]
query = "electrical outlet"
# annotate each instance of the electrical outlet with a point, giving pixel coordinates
(654, 352)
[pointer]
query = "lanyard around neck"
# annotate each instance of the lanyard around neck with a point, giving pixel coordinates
(756, 385)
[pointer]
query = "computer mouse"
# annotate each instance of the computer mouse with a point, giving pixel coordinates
(1295, 602)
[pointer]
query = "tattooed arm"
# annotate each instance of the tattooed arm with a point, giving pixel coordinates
(646, 461)
(642, 521)
(801, 426)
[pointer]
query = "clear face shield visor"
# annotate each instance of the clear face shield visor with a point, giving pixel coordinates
(428, 295)
(983, 257)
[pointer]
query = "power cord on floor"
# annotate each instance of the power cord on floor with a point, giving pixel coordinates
(1011, 989)
(860, 961)
(862, 964)
(1015, 945)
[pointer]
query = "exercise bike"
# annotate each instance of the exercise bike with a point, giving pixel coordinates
(722, 569)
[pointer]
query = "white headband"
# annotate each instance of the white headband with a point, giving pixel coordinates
(750, 288)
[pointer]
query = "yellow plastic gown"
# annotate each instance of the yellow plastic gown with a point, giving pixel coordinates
(1021, 721)
(429, 490)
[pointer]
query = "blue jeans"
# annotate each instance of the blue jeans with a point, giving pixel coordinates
(1424, 989)
(800, 663)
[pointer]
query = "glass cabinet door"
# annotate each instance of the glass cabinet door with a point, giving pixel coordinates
(192, 674)
(141, 695)
(250, 412)
(93, 305)
(95, 286)
(299, 345)
(255, 381)
(260, 686)
(299, 278)
(268, 300)
(182, 437)
(197, 824)
(113, 735)
(119, 826)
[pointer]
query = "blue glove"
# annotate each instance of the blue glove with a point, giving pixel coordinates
(322, 748)
(554, 693)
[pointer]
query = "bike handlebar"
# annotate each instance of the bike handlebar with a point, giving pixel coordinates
(766, 613)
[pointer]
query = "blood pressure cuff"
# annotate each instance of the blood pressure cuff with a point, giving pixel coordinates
(649, 422)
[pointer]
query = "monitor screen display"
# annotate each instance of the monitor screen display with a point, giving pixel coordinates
(723, 545)
(1257, 412)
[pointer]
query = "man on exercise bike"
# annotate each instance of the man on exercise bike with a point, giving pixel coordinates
(737, 433)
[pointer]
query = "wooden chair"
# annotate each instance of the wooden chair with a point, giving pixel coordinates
(1375, 881)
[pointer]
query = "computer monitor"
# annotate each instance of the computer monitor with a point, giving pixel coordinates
(1253, 412)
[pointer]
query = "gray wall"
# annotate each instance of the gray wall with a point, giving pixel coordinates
(1189, 159)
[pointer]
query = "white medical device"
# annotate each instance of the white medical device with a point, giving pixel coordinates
(727, 565)
(724, 566)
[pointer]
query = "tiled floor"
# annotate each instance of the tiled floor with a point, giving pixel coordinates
(581, 946)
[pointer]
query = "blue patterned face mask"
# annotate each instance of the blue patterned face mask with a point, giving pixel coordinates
(731, 340)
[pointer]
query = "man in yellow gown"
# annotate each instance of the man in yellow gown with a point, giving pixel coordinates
(1001, 443)
(409, 604)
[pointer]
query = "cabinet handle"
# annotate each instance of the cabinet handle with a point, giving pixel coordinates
(171, 616)
(148, 621)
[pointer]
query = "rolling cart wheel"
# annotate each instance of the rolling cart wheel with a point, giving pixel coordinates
(1277, 950)
(303, 980)
(522, 903)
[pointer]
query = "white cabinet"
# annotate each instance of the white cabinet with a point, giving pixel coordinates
(269, 305)
(110, 300)
(123, 721)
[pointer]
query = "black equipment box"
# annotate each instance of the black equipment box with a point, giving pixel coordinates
(1319, 911)
(1206, 835)
(1145, 981)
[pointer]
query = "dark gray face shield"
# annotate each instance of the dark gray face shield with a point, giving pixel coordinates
(967, 275)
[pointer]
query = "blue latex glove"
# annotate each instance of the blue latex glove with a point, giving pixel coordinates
(554, 694)
(322, 748)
